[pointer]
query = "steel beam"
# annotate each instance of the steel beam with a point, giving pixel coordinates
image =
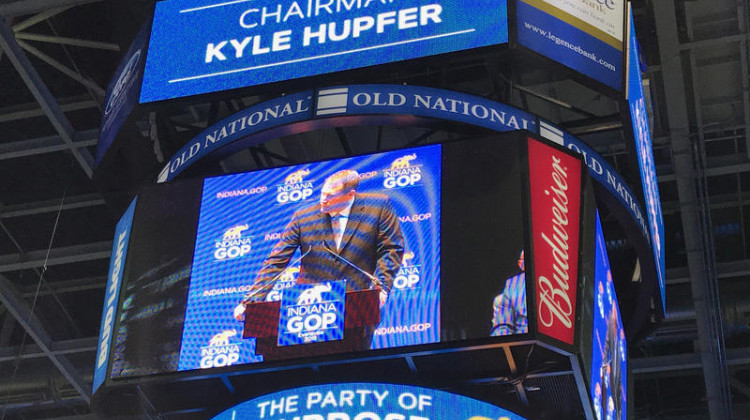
(56, 256)
(51, 206)
(31, 351)
(62, 68)
(723, 201)
(710, 43)
(69, 41)
(715, 167)
(32, 110)
(67, 286)
(680, 362)
(745, 92)
(710, 339)
(725, 270)
(39, 17)
(42, 94)
(29, 7)
(24, 315)
(6, 328)
(50, 144)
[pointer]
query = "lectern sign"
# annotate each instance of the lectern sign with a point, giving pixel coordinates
(555, 184)
(312, 313)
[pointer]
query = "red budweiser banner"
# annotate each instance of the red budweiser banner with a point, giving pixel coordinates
(555, 184)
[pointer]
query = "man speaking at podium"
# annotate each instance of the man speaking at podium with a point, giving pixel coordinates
(348, 236)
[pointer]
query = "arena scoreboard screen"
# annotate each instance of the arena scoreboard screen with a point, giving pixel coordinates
(431, 250)
(201, 46)
(365, 401)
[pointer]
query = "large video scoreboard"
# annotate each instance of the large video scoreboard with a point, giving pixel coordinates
(407, 260)
(444, 223)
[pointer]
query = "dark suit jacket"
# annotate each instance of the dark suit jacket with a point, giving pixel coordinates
(372, 241)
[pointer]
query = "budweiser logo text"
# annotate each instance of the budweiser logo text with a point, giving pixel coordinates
(555, 303)
(555, 209)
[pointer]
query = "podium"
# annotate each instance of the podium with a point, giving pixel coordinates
(361, 316)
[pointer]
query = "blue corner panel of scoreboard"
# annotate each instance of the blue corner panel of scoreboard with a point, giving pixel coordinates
(609, 370)
(646, 165)
(112, 293)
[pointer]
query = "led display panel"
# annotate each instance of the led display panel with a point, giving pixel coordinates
(365, 401)
(112, 293)
(608, 385)
(269, 228)
(556, 181)
(201, 46)
(586, 36)
(249, 268)
(645, 154)
(122, 93)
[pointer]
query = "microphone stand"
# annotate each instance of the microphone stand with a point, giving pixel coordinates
(251, 294)
(372, 278)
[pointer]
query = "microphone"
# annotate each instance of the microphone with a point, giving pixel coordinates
(251, 294)
(368, 275)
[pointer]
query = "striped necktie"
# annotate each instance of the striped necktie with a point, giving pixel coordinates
(338, 222)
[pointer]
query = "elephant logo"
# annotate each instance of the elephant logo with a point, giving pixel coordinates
(403, 161)
(222, 338)
(296, 176)
(289, 274)
(234, 232)
(313, 295)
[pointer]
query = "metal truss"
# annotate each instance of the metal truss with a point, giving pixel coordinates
(42, 94)
(41, 145)
(57, 348)
(27, 7)
(56, 256)
(51, 206)
(13, 302)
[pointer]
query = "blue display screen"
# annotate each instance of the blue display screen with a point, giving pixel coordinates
(112, 294)
(268, 236)
(201, 46)
(365, 401)
(608, 386)
(645, 154)
(122, 93)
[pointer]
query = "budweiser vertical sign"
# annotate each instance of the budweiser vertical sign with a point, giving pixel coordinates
(555, 184)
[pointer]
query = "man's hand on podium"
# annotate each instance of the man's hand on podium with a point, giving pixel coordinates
(383, 297)
(239, 312)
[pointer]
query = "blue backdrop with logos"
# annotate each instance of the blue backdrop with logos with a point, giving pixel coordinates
(243, 217)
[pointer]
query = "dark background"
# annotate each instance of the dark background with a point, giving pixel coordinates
(482, 231)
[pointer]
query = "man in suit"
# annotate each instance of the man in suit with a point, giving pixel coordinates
(361, 228)
(611, 363)
(509, 313)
